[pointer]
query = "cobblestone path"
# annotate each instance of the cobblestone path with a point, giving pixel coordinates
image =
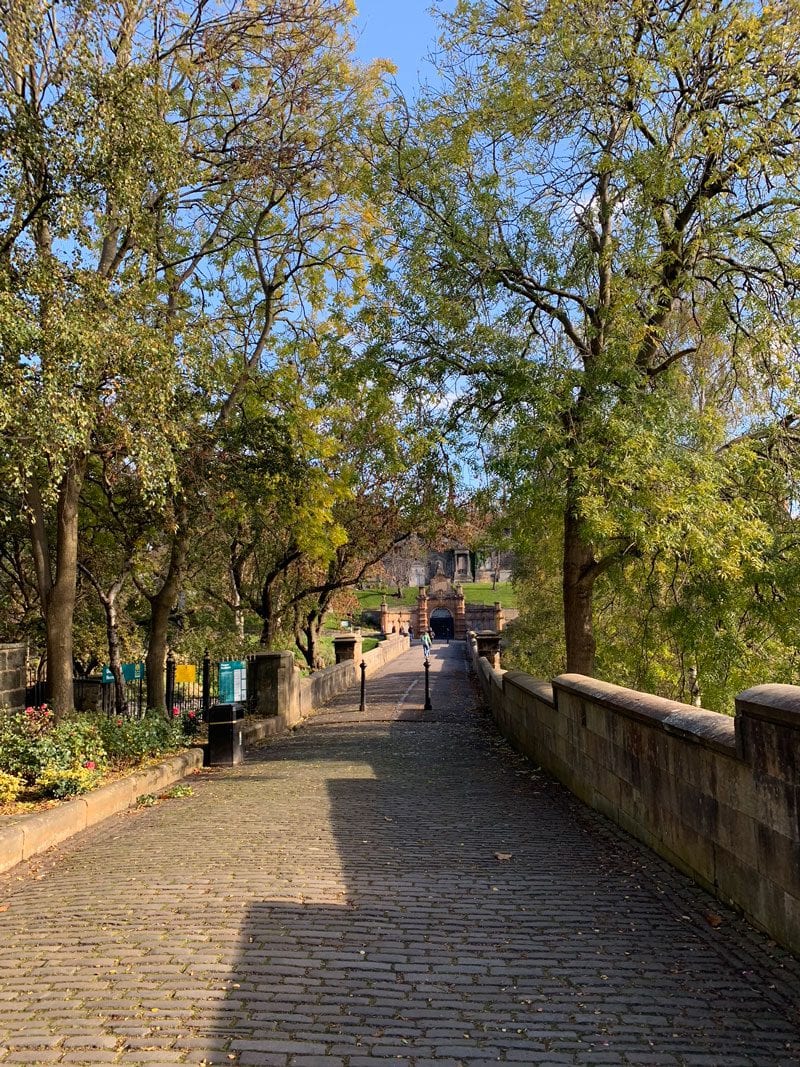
(386, 887)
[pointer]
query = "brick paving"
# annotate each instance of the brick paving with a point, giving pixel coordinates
(338, 900)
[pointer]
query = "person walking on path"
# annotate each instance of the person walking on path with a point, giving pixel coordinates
(425, 641)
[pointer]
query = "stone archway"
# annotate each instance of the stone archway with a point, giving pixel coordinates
(441, 623)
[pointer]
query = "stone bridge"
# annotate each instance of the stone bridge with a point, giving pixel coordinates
(387, 886)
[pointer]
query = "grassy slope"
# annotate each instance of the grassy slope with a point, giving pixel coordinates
(474, 593)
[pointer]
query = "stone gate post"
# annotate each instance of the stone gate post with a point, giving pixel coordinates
(347, 647)
(272, 686)
(489, 647)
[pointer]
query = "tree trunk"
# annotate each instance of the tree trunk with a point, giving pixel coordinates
(236, 563)
(308, 648)
(238, 618)
(57, 575)
(162, 604)
(109, 602)
(311, 630)
(267, 613)
(114, 655)
(578, 589)
(265, 607)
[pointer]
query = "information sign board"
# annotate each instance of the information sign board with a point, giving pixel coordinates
(232, 681)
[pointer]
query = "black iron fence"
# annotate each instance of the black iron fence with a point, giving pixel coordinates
(189, 687)
(192, 688)
(35, 689)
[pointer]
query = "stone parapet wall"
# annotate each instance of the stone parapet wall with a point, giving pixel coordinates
(717, 797)
(277, 687)
(484, 617)
(396, 617)
(385, 652)
(321, 686)
(12, 675)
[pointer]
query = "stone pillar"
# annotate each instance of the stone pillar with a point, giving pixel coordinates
(422, 612)
(765, 868)
(272, 686)
(768, 732)
(499, 617)
(13, 675)
(347, 647)
(459, 615)
(384, 616)
(489, 647)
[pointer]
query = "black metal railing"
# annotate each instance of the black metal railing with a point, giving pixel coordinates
(188, 687)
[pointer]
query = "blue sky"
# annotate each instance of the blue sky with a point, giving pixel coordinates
(400, 30)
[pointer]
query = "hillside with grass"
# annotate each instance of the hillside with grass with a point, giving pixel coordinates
(474, 593)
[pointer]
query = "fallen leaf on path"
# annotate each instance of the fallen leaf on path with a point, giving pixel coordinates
(503, 855)
(713, 919)
(4, 907)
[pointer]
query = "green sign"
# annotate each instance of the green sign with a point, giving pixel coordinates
(131, 672)
(232, 681)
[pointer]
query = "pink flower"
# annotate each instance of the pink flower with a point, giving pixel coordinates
(90, 765)
(176, 712)
(192, 715)
(119, 722)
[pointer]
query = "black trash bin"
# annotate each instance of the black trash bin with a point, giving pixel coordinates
(225, 734)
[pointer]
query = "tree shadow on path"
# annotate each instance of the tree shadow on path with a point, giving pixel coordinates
(443, 901)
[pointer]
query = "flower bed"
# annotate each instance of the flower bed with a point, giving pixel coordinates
(41, 758)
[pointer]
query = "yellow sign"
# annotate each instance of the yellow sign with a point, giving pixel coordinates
(185, 672)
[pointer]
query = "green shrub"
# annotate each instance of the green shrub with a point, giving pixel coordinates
(55, 781)
(31, 741)
(10, 787)
(74, 742)
(129, 740)
(23, 746)
(190, 722)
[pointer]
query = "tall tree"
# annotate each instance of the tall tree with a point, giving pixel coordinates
(159, 161)
(602, 202)
(274, 236)
(86, 151)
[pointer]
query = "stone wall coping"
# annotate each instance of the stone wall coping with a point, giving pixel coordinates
(773, 703)
(494, 676)
(282, 655)
(541, 690)
(390, 647)
(334, 668)
(12, 644)
(710, 728)
(308, 681)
